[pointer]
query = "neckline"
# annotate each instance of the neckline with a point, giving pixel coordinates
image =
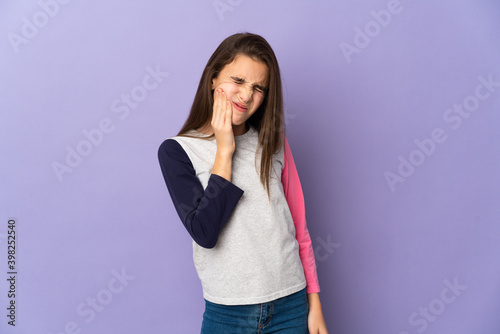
(249, 131)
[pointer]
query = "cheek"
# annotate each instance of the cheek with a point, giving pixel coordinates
(258, 98)
(228, 88)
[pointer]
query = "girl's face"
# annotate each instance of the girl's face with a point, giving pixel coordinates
(244, 81)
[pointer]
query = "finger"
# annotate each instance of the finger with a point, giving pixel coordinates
(221, 111)
(229, 114)
(216, 108)
(223, 107)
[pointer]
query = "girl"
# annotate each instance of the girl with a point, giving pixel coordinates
(234, 185)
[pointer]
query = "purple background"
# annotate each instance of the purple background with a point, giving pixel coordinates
(383, 254)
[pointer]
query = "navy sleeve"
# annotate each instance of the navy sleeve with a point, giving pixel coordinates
(202, 211)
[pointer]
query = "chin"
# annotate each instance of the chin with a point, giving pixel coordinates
(238, 122)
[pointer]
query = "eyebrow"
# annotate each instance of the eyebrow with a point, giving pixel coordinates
(259, 86)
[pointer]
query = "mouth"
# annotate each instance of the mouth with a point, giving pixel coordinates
(240, 107)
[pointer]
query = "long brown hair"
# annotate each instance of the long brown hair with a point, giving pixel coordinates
(268, 118)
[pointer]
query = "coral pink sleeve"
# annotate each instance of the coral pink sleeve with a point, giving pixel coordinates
(295, 199)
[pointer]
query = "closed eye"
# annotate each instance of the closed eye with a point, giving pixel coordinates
(238, 80)
(260, 89)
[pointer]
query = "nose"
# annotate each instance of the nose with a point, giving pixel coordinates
(245, 93)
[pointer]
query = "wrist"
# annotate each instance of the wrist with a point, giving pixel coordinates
(224, 154)
(314, 302)
(223, 165)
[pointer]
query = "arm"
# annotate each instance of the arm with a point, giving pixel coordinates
(202, 211)
(295, 199)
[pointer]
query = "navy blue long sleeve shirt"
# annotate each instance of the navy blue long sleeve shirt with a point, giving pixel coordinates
(202, 211)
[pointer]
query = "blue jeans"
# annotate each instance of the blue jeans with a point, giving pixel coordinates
(287, 315)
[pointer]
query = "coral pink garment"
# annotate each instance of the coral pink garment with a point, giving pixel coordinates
(295, 199)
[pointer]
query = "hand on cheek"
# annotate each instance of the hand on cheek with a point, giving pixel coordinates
(222, 122)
